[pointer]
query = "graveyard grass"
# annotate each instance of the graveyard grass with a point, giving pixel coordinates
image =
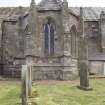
(54, 93)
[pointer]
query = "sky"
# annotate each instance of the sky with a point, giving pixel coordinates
(72, 3)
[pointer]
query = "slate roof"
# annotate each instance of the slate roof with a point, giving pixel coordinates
(49, 5)
(10, 12)
(90, 13)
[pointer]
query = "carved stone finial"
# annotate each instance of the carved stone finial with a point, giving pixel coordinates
(64, 0)
(20, 10)
(33, 3)
(102, 16)
(81, 12)
(65, 3)
(102, 12)
(21, 15)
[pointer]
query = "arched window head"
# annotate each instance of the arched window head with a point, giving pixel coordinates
(27, 30)
(49, 33)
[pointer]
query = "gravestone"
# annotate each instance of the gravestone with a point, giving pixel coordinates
(83, 66)
(24, 85)
(83, 54)
(84, 80)
(30, 80)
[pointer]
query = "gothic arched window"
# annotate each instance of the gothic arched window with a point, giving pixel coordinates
(49, 30)
(74, 42)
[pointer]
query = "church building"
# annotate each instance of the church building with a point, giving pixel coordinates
(52, 37)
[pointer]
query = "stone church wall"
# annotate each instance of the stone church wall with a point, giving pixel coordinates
(92, 32)
(1, 70)
(12, 60)
(97, 67)
(61, 65)
(56, 17)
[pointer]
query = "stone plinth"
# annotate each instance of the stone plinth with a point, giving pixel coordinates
(53, 72)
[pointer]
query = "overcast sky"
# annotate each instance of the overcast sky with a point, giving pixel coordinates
(11, 3)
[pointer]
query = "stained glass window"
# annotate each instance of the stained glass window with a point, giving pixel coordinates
(49, 30)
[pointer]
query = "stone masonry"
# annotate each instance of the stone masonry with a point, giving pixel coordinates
(48, 37)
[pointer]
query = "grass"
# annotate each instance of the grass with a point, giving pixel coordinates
(9, 93)
(55, 93)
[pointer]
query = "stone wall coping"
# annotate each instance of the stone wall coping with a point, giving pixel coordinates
(51, 65)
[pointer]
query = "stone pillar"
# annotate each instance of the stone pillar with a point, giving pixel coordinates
(32, 39)
(102, 22)
(83, 56)
(65, 28)
(21, 33)
(32, 35)
(65, 16)
(24, 78)
(68, 70)
(83, 65)
(29, 63)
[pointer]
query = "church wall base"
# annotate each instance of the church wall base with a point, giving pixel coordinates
(54, 72)
(12, 71)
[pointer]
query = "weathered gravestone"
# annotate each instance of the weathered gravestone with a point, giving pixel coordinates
(83, 66)
(26, 83)
(24, 78)
(30, 80)
(83, 55)
(84, 80)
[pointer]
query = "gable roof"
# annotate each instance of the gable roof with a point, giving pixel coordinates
(49, 5)
(90, 13)
(93, 13)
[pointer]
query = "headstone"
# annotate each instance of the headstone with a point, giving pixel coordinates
(84, 80)
(104, 69)
(84, 71)
(83, 55)
(29, 80)
(24, 78)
